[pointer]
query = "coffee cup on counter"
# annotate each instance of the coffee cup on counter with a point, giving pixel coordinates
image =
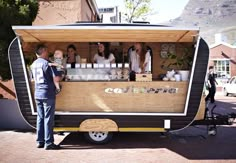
(77, 65)
(89, 65)
(95, 65)
(83, 65)
(107, 65)
(113, 65)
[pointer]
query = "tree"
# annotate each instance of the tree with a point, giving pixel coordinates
(13, 12)
(136, 9)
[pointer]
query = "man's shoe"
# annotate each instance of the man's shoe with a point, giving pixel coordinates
(40, 145)
(52, 147)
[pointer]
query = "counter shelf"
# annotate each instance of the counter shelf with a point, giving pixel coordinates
(97, 74)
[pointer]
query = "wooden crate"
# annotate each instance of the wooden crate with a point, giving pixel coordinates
(143, 77)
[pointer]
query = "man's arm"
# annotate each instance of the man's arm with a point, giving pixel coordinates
(55, 74)
(56, 78)
(216, 81)
(208, 81)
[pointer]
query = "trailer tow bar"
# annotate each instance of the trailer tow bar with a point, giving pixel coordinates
(212, 119)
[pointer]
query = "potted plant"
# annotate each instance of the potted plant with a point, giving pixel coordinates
(182, 63)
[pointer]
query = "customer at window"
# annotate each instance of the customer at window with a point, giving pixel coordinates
(45, 97)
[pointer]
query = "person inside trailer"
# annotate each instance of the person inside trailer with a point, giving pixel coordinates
(72, 56)
(103, 55)
(140, 58)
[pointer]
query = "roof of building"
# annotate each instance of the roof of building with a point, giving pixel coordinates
(221, 43)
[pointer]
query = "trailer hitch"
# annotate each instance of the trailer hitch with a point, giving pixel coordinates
(227, 119)
(212, 119)
(232, 117)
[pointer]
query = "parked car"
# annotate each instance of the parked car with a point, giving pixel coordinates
(230, 87)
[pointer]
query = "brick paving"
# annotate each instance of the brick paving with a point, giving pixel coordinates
(189, 145)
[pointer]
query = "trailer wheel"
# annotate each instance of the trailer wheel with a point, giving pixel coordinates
(98, 137)
(212, 131)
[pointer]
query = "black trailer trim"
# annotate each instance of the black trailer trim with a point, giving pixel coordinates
(123, 121)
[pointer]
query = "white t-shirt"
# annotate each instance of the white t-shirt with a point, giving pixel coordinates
(102, 60)
(135, 62)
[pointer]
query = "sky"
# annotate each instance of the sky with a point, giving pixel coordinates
(163, 10)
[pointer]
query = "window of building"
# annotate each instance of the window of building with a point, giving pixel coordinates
(222, 68)
(106, 10)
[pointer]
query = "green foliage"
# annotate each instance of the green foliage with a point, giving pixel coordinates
(13, 12)
(182, 62)
(136, 9)
(179, 62)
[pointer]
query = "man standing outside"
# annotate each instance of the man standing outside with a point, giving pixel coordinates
(211, 82)
(45, 97)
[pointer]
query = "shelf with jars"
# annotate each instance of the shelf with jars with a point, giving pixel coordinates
(98, 72)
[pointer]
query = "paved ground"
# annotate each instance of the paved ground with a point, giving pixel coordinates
(189, 145)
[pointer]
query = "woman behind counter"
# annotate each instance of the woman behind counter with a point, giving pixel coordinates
(104, 56)
(140, 58)
(72, 57)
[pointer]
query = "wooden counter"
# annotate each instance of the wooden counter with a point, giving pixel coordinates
(156, 96)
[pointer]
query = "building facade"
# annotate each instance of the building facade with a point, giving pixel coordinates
(66, 12)
(110, 14)
(223, 58)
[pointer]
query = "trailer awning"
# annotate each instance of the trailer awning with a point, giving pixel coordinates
(103, 33)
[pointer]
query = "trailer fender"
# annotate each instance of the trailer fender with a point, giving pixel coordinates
(98, 125)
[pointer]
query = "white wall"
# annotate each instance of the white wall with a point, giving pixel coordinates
(10, 116)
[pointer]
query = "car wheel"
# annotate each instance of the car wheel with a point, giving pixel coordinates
(225, 92)
(98, 137)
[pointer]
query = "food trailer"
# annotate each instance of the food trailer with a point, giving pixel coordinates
(99, 103)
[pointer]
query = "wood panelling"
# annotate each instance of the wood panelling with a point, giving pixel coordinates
(91, 96)
(105, 34)
(98, 125)
(201, 111)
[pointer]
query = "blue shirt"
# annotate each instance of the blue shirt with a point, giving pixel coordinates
(43, 77)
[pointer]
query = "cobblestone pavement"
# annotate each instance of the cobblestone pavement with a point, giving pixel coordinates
(189, 145)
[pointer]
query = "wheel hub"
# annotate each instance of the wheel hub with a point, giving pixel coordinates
(98, 136)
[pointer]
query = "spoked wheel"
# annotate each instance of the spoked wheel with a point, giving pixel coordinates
(98, 137)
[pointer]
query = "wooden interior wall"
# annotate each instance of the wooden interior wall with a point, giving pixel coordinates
(82, 48)
(157, 60)
(88, 51)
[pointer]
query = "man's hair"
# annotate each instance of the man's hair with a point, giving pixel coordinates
(211, 67)
(40, 48)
